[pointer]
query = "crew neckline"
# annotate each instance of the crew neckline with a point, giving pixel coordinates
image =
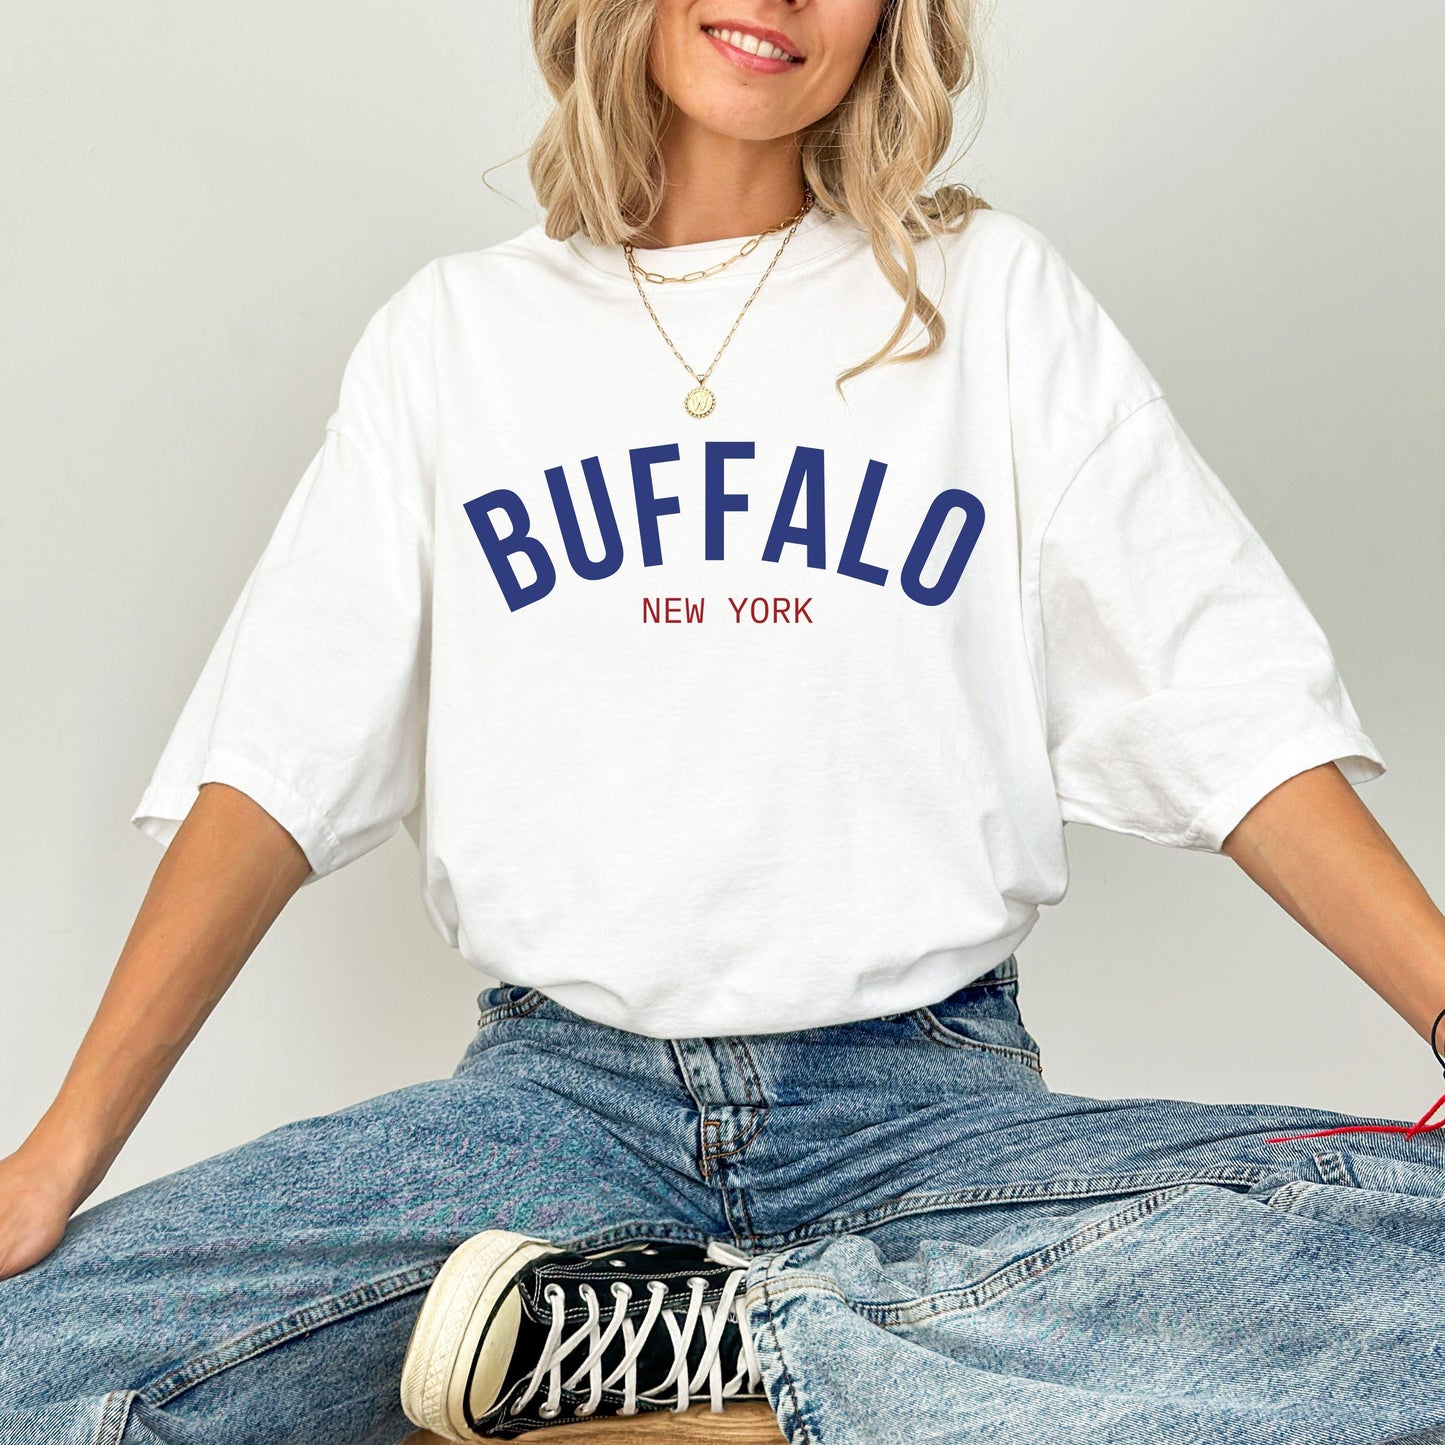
(819, 234)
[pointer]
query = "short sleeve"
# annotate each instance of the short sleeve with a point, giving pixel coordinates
(1184, 675)
(313, 697)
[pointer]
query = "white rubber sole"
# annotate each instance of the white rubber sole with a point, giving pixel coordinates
(449, 1331)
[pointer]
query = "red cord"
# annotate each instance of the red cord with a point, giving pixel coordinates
(1408, 1130)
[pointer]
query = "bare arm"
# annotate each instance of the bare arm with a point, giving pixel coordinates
(1318, 851)
(227, 873)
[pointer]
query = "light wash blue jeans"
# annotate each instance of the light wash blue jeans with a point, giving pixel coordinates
(947, 1250)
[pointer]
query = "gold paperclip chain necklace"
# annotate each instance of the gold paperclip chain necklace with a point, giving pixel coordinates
(701, 400)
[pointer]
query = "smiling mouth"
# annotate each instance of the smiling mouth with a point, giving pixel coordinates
(746, 41)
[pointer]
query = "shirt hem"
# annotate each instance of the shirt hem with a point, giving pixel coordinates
(1360, 762)
(163, 806)
(947, 971)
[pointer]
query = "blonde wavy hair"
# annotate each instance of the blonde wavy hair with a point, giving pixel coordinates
(594, 163)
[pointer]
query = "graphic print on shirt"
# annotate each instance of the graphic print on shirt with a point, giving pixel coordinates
(506, 529)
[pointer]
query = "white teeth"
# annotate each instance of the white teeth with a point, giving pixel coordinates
(750, 43)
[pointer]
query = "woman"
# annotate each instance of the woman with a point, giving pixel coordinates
(735, 647)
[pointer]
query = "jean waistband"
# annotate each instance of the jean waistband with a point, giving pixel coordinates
(510, 1000)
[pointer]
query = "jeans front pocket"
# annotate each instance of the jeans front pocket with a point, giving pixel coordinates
(983, 1014)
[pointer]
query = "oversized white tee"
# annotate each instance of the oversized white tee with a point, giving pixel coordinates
(771, 718)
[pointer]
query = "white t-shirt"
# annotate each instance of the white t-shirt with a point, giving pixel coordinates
(772, 718)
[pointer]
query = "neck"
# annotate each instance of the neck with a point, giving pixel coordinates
(719, 186)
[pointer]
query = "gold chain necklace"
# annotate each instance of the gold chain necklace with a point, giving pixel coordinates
(701, 400)
(749, 247)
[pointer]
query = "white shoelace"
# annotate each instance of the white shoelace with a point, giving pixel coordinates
(714, 1320)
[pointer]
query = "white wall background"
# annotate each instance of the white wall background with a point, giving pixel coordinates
(200, 206)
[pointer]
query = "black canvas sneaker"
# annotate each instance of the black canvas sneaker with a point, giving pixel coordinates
(516, 1334)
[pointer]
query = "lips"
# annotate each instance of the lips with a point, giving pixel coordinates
(761, 32)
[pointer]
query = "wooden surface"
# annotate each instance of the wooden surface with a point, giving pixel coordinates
(743, 1422)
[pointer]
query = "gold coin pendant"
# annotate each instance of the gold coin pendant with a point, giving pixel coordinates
(699, 401)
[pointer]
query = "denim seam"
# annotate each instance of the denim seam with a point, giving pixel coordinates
(802, 1425)
(736, 1143)
(933, 1028)
(751, 1237)
(528, 1003)
(1007, 1278)
(1335, 1168)
(263, 1338)
(680, 1074)
(742, 1069)
(679, 1048)
(747, 1068)
(704, 1149)
(993, 979)
(1030, 1191)
(735, 1204)
(1289, 1193)
(114, 1412)
(704, 1157)
(749, 1064)
(984, 985)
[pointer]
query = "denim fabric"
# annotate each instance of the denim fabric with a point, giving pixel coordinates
(945, 1249)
